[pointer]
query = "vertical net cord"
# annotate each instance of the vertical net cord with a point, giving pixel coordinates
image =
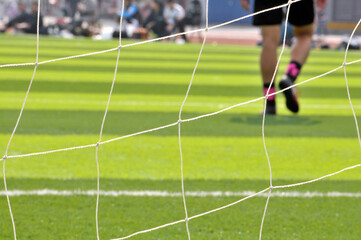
(264, 118)
(17, 124)
(269, 189)
(347, 86)
(180, 121)
(103, 123)
(264, 213)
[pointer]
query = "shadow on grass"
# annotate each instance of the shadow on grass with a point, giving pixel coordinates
(167, 89)
(278, 120)
(224, 125)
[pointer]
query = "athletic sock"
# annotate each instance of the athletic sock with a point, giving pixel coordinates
(272, 90)
(271, 100)
(293, 70)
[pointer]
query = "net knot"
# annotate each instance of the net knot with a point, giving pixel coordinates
(179, 121)
(186, 219)
(5, 157)
(344, 64)
(98, 144)
(120, 46)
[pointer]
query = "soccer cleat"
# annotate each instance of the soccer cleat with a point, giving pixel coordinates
(271, 108)
(290, 94)
(271, 100)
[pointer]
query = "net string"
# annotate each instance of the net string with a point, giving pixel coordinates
(149, 40)
(193, 217)
(180, 122)
(177, 123)
(264, 117)
(264, 213)
(239, 201)
(103, 123)
(346, 81)
(17, 124)
(100, 138)
(171, 124)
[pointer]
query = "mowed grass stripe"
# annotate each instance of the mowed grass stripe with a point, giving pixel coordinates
(147, 53)
(241, 60)
(169, 68)
(239, 57)
(92, 101)
(55, 44)
(241, 221)
(149, 157)
(150, 88)
(148, 50)
(170, 78)
(64, 122)
(208, 56)
(221, 153)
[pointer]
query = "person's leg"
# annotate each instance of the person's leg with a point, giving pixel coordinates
(268, 62)
(299, 54)
(269, 22)
(302, 46)
(302, 18)
(180, 25)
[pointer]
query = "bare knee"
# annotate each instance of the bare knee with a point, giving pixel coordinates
(304, 32)
(270, 43)
(270, 37)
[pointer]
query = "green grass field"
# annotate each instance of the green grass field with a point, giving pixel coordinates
(221, 153)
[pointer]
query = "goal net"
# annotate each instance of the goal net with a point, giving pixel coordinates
(187, 220)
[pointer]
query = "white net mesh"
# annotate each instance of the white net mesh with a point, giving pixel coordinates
(265, 192)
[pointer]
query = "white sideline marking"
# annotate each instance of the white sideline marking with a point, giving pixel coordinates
(149, 193)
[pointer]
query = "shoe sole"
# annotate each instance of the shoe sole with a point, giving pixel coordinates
(291, 99)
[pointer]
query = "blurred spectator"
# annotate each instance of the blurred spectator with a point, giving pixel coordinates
(84, 18)
(131, 19)
(85, 10)
(72, 6)
(58, 8)
(60, 17)
(33, 20)
(21, 17)
(25, 22)
(321, 29)
(194, 14)
(10, 11)
(174, 18)
(155, 21)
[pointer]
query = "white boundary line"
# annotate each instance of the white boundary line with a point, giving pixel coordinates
(201, 194)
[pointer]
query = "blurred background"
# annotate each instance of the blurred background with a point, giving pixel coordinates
(144, 19)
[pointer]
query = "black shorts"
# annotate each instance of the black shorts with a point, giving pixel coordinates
(301, 13)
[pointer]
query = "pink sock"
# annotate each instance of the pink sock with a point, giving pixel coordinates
(272, 90)
(293, 70)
